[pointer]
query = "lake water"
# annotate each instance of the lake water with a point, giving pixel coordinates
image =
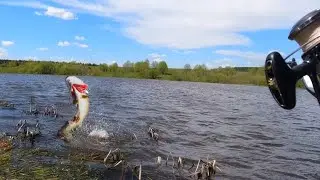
(241, 127)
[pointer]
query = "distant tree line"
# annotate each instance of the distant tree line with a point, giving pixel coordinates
(140, 69)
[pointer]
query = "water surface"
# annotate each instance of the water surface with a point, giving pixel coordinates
(241, 127)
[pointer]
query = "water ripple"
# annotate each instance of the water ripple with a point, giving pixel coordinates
(241, 126)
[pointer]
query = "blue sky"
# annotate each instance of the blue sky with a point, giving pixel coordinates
(215, 33)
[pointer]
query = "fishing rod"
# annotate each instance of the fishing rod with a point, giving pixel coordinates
(282, 76)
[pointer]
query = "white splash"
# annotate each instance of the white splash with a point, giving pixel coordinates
(99, 133)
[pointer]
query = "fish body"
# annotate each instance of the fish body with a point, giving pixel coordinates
(79, 93)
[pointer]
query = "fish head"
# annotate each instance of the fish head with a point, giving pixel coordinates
(77, 88)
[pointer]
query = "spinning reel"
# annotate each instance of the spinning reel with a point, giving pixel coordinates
(282, 76)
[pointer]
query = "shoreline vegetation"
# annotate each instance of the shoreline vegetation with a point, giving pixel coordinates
(142, 70)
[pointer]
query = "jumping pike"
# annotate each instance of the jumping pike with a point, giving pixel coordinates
(79, 93)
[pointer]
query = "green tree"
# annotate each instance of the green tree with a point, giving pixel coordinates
(103, 67)
(201, 67)
(12, 64)
(47, 68)
(113, 67)
(229, 71)
(147, 62)
(162, 67)
(201, 70)
(187, 67)
(128, 66)
(154, 64)
(153, 73)
(142, 68)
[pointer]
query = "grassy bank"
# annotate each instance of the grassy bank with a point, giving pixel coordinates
(141, 69)
(38, 163)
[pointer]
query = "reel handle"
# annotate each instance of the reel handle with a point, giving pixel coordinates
(281, 79)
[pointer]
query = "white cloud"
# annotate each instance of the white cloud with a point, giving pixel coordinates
(29, 4)
(59, 59)
(67, 59)
(189, 24)
(186, 52)
(43, 49)
(63, 43)
(50, 11)
(7, 43)
(3, 53)
(241, 58)
(241, 54)
(112, 62)
(224, 62)
(194, 24)
(250, 57)
(109, 28)
(30, 58)
(38, 13)
(81, 45)
(67, 43)
(156, 57)
(79, 38)
(59, 13)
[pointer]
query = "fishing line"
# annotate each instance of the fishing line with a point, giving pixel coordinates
(300, 47)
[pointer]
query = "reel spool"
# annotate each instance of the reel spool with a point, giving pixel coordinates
(282, 77)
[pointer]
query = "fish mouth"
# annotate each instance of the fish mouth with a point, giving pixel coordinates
(76, 88)
(81, 88)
